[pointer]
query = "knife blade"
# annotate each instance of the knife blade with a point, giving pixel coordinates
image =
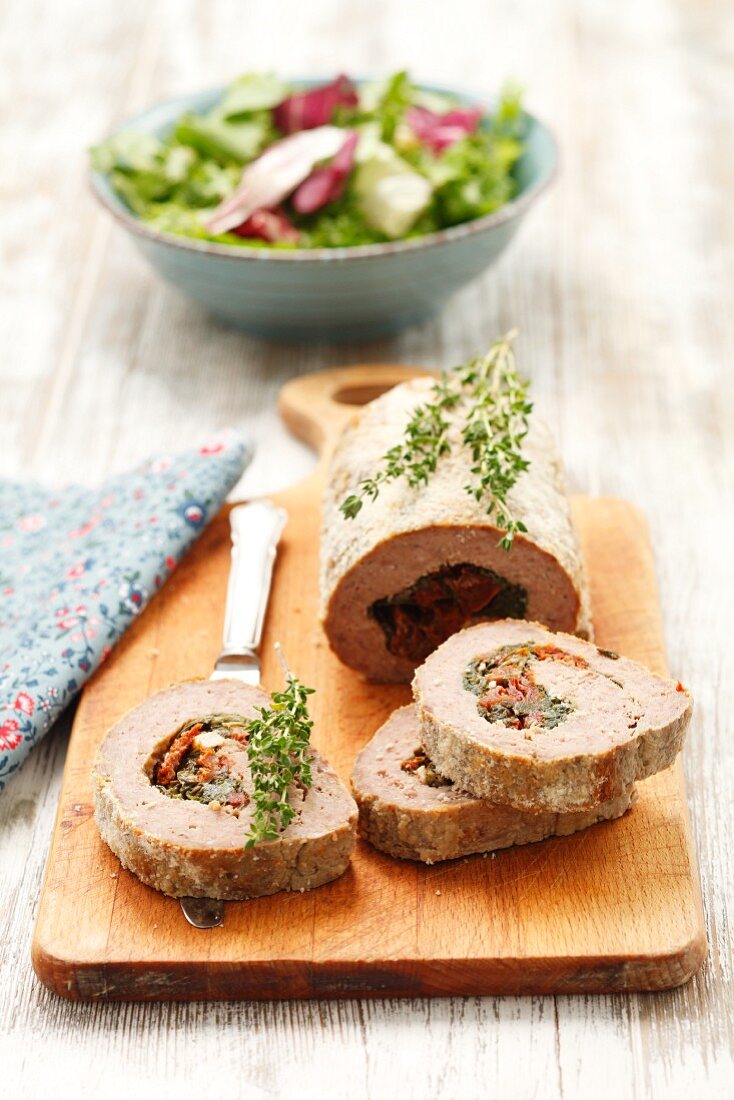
(255, 529)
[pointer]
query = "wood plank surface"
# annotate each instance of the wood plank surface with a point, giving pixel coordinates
(621, 285)
(616, 907)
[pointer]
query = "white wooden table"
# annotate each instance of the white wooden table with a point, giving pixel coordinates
(622, 284)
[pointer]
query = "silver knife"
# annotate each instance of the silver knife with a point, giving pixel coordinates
(256, 529)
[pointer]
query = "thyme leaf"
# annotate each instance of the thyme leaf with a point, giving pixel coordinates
(489, 400)
(278, 753)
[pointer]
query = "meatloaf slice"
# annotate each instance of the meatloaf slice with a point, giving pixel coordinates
(411, 813)
(545, 722)
(160, 830)
(417, 564)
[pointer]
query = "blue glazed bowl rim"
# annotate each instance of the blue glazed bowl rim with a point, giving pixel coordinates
(515, 208)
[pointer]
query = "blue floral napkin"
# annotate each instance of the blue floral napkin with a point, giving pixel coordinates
(78, 565)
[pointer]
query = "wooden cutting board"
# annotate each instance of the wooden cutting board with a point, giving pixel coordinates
(616, 907)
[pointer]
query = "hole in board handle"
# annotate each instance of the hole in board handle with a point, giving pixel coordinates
(361, 395)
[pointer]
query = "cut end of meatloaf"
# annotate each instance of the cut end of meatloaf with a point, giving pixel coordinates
(414, 590)
(406, 817)
(545, 722)
(190, 848)
(416, 564)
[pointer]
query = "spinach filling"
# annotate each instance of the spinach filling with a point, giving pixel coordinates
(507, 691)
(197, 766)
(418, 619)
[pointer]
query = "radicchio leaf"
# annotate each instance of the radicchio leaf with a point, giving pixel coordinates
(306, 110)
(438, 132)
(269, 225)
(326, 184)
(268, 180)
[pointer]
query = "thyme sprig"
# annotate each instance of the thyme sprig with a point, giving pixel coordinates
(490, 401)
(278, 753)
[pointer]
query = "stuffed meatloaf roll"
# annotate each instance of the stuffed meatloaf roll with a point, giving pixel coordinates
(410, 811)
(545, 722)
(173, 800)
(417, 564)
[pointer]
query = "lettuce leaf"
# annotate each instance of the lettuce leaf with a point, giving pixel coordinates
(397, 96)
(141, 169)
(473, 177)
(126, 150)
(252, 92)
(225, 140)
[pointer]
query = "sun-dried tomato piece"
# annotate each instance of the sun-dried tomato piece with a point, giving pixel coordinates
(169, 765)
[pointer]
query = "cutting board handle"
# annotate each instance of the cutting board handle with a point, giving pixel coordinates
(317, 407)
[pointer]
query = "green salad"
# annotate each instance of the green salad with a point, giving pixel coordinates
(275, 166)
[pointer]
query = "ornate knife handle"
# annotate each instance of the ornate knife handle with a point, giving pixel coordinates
(256, 530)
